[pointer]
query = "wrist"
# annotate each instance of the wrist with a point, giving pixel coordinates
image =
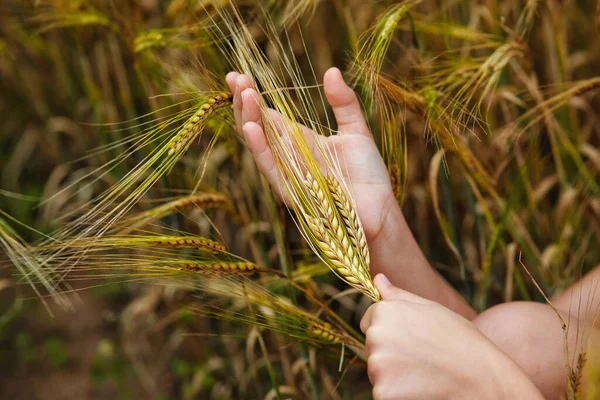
(393, 248)
(388, 222)
(395, 253)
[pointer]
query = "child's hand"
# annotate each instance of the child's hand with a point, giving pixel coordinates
(367, 174)
(418, 349)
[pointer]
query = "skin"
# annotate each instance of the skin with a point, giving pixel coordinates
(418, 349)
(505, 352)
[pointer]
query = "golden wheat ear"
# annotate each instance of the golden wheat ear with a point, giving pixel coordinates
(180, 204)
(149, 255)
(167, 146)
(323, 206)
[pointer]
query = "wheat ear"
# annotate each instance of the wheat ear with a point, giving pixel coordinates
(576, 375)
(195, 124)
(325, 332)
(204, 200)
(348, 214)
(330, 228)
(241, 267)
(345, 252)
(194, 242)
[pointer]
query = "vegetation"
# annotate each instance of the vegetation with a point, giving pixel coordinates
(122, 176)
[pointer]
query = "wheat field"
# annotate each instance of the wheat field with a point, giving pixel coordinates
(145, 256)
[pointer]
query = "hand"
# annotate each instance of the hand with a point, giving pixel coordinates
(417, 349)
(367, 175)
(393, 248)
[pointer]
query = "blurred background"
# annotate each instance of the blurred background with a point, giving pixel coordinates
(508, 89)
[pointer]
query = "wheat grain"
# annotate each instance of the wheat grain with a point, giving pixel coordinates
(325, 332)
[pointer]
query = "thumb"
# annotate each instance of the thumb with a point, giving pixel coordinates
(390, 292)
(345, 104)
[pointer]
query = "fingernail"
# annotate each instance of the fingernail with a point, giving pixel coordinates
(383, 280)
(245, 129)
(239, 81)
(338, 72)
(245, 94)
(247, 126)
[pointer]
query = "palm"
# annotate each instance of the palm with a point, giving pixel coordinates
(367, 177)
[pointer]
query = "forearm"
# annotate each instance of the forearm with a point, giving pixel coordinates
(580, 300)
(396, 254)
(508, 381)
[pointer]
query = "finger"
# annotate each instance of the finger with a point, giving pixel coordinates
(280, 124)
(256, 141)
(254, 135)
(242, 82)
(250, 107)
(391, 292)
(366, 320)
(230, 79)
(345, 104)
(371, 377)
(251, 112)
